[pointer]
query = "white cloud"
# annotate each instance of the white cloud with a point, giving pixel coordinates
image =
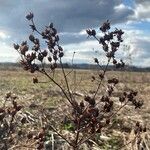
(141, 11)
(7, 53)
(121, 7)
(3, 35)
(135, 46)
(138, 44)
(84, 51)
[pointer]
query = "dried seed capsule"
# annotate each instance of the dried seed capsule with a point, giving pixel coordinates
(23, 120)
(8, 95)
(24, 43)
(122, 99)
(35, 80)
(47, 31)
(18, 108)
(24, 49)
(93, 32)
(89, 32)
(95, 112)
(2, 115)
(114, 61)
(57, 38)
(51, 25)
(49, 58)
(118, 65)
(16, 46)
(36, 41)
(55, 52)
(87, 98)
(40, 57)
(110, 54)
(44, 53)
(144, 129)
(30, 135)
(33, 27)
(105, 26)
(113, 80)
(61, 54)
(101, 76)
(19, 132)
(105, 47)
(82, 104)
(55, 57)
(108, 121)
(2, 110)
(31, 38)
(40, 145)
(14, 104)
(53, 66)
(137, 124)
(96, 60)
(93, 78)
(54, 31)
(105, 99)
(40, 134)
(30, 16)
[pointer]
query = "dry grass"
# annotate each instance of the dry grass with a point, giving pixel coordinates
(20, 83)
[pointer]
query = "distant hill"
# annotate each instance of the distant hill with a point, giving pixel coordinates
(13, 66)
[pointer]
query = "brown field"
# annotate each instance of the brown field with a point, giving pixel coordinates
(48, 95)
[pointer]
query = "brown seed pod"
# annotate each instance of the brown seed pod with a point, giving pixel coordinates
(30, 135)
(114, 61)
(96, 60)
(107, 121)
(122, 99)
(105, 99)
(14, 104)
(49, 58)
(144, 129)
(18, 108)
(31, 38)
(2, 110)
(35, 80)
(2, 115)
(44, 53)
(40, 57)
(101, 76)
(55, 57)
(16, 46)
(20, 132)
(24, 49)
(30, 16)
(23, 120)
(61, 54)
(105, 26)
(82, 104)
(113, 80)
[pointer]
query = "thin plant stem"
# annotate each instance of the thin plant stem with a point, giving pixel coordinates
(104, 72)
(44, 72)
(66, 80)
(55, 130)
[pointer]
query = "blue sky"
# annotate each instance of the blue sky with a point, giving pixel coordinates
(72, 18)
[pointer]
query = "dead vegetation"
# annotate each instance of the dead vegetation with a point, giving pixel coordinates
(61, 110)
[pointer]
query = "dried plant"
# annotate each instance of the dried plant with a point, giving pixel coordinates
(92, 114)
(9, 121)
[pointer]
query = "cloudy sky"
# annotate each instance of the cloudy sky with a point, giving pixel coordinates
(72, 18)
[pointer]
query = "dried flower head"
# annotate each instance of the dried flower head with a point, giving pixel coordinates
(30, 16)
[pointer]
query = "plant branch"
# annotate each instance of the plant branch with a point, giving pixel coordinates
(104, 72)
(44, 72)
(64, 74)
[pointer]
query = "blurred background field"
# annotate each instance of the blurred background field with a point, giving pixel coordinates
(45, 94)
